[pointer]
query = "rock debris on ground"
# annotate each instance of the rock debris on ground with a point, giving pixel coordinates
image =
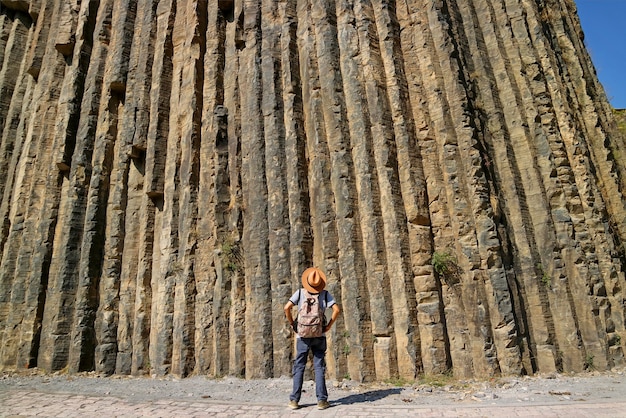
(542, 389)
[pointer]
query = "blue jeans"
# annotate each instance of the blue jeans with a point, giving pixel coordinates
(318, 347)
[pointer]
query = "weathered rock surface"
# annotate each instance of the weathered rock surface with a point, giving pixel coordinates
(169, 168)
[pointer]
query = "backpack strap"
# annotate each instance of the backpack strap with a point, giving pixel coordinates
(325, 307)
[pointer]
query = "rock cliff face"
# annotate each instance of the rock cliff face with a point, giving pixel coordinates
(169, 168)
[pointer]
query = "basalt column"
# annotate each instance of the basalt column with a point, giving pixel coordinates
(168, 169)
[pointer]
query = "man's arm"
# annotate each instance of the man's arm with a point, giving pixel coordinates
(333, 318)
(288, 313)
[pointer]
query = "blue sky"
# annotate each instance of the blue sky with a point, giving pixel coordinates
(604, 25)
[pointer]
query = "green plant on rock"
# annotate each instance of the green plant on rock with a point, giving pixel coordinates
(614, 339)
(589, 362)
(346, 346)
(346, 349)
(230, 254)
(445, 266)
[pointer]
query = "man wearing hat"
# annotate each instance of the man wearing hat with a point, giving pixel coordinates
(314, 282)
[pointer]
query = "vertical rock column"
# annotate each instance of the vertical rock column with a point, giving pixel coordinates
(233, 219)
(258, 317)
(272, 109)
(13, 108)
(211, 155)
(95, 316)
(137, 124)
(192, 29)
(107, 198)
(159, 144)
(127, 185)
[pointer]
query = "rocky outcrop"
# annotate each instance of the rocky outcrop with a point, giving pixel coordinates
(169, 168)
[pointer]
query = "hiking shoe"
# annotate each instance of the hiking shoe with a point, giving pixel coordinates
(294, 405)
(323, 405)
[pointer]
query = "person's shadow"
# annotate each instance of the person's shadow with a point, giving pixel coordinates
(371, 396)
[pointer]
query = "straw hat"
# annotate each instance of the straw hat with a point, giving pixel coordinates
(313, 280)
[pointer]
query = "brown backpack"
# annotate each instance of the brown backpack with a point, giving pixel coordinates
(311, 318)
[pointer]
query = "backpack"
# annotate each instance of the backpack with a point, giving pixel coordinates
(311, 318)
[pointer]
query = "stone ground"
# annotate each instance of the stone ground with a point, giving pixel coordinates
(86, 395)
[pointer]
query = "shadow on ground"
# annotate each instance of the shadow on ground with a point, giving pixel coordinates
(370, 396)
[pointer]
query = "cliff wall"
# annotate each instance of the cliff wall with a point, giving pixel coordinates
(169, 168)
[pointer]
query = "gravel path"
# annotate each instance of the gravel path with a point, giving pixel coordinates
(538, 390)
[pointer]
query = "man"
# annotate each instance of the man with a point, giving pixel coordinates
(313, 283)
